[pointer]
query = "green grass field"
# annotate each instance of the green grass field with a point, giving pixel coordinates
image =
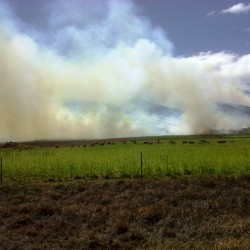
(124, 159)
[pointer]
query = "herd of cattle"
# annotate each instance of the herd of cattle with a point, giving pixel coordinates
(152, 142)
(107, 142)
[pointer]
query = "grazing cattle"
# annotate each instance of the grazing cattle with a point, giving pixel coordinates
(171, 142)
(184, 142)
(191, 142)
(221, 141)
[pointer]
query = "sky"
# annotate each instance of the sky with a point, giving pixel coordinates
(200, 26)
(115, 68)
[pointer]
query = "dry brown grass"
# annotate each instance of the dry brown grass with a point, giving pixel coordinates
(209, 213)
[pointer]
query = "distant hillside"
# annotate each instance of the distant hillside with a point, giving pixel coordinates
(153, 109)
(245, 131)
(234, 109)
(163, 116)
(134, 106)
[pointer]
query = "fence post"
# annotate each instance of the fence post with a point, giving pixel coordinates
(1, 170)
(141, 165)
(167, 172)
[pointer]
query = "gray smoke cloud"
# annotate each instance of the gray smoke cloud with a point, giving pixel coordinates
(77, 69)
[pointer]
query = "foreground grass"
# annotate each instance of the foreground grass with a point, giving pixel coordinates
(182, 213)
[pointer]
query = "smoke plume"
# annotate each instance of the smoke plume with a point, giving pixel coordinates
(77, 69)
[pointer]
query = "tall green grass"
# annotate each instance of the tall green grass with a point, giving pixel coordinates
(123, 160)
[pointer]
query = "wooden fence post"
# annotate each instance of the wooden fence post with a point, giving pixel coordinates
(167, 172)
(141, 165)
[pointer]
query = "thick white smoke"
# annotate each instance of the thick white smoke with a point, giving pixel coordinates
(75, 69)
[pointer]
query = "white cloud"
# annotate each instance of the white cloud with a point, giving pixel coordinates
(237, 9)
(212, 13)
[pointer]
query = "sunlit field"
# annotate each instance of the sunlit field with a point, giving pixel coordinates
(161, 157)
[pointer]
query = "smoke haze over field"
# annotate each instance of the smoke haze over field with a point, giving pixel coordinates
(76, 69)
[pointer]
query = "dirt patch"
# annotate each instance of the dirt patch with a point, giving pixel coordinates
(208, 213)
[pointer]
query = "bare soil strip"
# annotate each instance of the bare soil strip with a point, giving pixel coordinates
(208, 213)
